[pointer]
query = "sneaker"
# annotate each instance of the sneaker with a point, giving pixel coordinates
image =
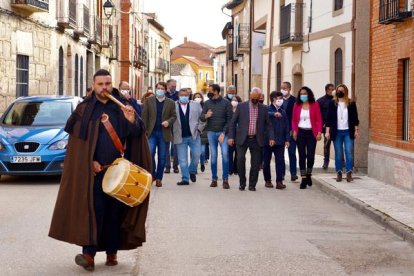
(86, 261)
(226, 184)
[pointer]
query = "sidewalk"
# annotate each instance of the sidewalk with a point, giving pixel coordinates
(386, 204)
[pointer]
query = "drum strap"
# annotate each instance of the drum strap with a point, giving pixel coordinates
(112, 133)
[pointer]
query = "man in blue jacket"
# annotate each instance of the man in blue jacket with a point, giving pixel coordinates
(281, 130)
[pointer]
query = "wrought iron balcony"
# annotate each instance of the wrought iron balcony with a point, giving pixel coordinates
(31, 5)
(291, 24)
(162, 65)
(391, 12)
(242, 38)
(140, 57)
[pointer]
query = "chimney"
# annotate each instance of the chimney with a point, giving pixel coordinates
(185, 39)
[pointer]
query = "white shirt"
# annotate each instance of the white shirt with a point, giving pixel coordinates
(184, 107)
(304, 121)
(342, 114)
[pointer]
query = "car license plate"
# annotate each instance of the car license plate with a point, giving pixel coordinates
(26, 159)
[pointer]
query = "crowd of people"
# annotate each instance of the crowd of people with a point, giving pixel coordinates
(181, 124)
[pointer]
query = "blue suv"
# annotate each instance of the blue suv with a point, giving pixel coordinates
(32, 136)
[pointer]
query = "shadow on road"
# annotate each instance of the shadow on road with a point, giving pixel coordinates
(30, 179)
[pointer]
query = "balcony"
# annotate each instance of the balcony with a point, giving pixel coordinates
(66, 14)
(82, 22)
(162, 65)
(86, 21)
(98, 31)
(140, 57)
(391, 12)
(291, 24)
(31, 5)
(242, 38)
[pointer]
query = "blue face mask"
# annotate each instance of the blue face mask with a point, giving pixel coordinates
(160, 93)
(304, 98)
(184, 99)
(230, 96)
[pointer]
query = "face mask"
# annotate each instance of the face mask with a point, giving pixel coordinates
(172, 89)
(340, 94)
(230, 96)
(261, 101)
(284, 92)
(255, 101)
(304, 98)
(234, 103)
(160, 93)
(210, 95)
(197, 100)
(184, 99)
(124, 92)
(279, 102)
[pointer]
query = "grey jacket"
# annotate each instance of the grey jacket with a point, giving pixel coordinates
(196, 125)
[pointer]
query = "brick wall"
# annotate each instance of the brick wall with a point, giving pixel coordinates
(124, 60)
(390, 44)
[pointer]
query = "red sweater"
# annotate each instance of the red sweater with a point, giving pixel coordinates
(315, 118)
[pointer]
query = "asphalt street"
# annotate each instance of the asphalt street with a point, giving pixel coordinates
(198, 230)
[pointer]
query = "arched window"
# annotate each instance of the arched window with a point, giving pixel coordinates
(76, 78)
(278, 76)
(81, 77)
(207, 76)
(338, 67)
(200, 75)
(61, 71)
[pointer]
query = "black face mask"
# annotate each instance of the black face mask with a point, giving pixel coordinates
(340, 94)
(210, 95)
(255, 101)
(261, 101)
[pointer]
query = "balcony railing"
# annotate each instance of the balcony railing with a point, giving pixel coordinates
(31, 5)
(162, 65)
(72, 14)
(390, 12)
(98, 30)
(140, 57)
(242, 38)
(86, 22)
(291, 24)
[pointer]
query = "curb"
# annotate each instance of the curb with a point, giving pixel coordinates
(400, 229)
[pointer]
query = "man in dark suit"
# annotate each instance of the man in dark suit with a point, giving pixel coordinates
(247, 128)
(159, 116)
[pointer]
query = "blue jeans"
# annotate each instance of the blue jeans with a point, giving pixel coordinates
(292, 158)
(182, 154)
(203, 154)
(213, 141)
(156, 140)
(343, 139)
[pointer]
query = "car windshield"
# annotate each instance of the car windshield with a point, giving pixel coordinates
(38, 113)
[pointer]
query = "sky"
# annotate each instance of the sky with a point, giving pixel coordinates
(198, 20)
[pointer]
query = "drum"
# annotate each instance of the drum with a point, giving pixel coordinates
(127, 182)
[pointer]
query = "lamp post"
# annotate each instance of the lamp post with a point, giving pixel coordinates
(108, 9)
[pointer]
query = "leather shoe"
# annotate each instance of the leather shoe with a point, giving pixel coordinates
(293, 178)
(269, 184)
(203, 168)
(183, 183)
(111, 260)
(176, 170)
(241, 187)
(303, 183)
(193, 177)
(213, 183)
(280, 185)
(226, 184)
(253, 189)
(167, 171)
(86, 261)
(158, 183)
(339, 177)
(349, 177)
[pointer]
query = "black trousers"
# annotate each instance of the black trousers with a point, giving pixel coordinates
(326, 148)
(232, 159)
(108, 214)
(255, 161)
(306, 143)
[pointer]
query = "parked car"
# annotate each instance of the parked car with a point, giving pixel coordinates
(32, 136)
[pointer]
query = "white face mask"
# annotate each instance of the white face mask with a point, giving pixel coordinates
(279, 102)
(234, 103)
(124, 92)
(197, 100)
(285, 92)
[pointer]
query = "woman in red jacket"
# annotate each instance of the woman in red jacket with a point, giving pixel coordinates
(306, 130)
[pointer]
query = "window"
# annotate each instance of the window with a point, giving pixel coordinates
(76, 79)
(338, 67)
(207, 76)
(222, 73)
(200, 75)
(406, 99)
(278, 76)
(338, 4)
(81, 77)
(22, 76)
(61, 71)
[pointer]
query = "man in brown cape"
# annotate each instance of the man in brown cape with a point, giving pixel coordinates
(84, 214)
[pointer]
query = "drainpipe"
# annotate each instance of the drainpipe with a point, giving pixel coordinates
(250, 42)
(353, 49)
(269, 67)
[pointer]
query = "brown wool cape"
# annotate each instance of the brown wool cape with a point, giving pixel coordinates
(73, 218)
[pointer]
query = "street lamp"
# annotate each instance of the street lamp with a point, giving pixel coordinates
(159, 48)
(108, 9)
